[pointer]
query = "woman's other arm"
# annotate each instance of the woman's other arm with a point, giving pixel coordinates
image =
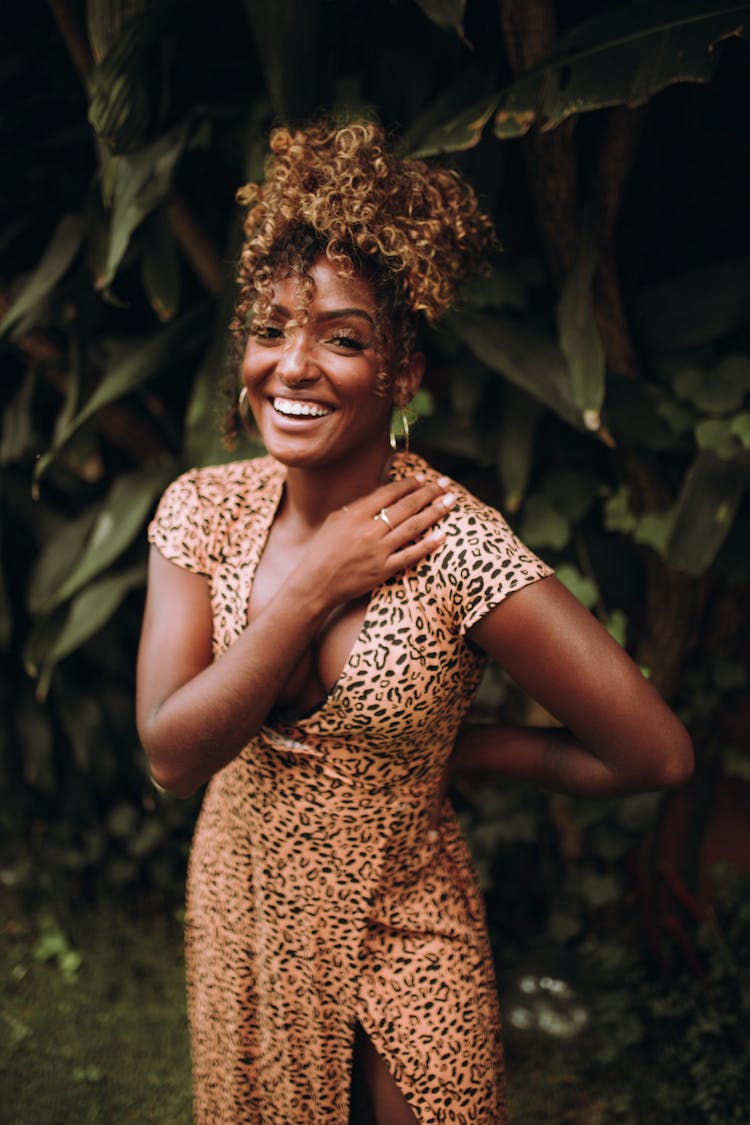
(618, 734)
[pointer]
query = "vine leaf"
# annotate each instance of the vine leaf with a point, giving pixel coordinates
(622, 57)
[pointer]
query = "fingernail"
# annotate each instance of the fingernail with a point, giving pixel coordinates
(420, 477)
(443, 481)
(433, 836)
(447, 500)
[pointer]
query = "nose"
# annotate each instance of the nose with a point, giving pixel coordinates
(295, 364)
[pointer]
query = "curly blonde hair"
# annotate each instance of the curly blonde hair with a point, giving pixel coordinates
(413, 230)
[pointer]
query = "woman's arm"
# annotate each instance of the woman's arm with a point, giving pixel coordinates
(194, 714)
(619, 735)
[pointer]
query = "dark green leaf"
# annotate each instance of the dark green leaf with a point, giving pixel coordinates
(706, 507)
(87, 546)
(57, 258)
(622, 57)
(473, 86)
(583, 588)
(515, 445)
(127, 373)
(523, 355)
(6, 615)
(160, 267)
(543, 525)
(70, 627)
(290, 58)
(579, 336)
(692, 309)
(142, 180)
(460, 131)
(719, 390)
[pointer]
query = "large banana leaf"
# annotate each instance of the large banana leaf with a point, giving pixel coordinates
(86, 546)
(622, 57)
(54, 263)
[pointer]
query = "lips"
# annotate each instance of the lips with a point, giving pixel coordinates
(300, 408)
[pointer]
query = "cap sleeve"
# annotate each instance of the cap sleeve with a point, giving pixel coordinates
(182, 529)
(489, 562)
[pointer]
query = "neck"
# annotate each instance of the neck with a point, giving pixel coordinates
(313, 493)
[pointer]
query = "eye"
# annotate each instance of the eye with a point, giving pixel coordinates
(267, 333)
(347, 341)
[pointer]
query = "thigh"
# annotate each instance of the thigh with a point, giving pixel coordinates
(376, 1099)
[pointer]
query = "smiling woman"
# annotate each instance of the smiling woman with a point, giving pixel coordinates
(316, 626)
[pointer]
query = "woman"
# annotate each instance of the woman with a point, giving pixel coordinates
(317, 621)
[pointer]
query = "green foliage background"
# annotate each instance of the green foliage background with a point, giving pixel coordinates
(595, 386)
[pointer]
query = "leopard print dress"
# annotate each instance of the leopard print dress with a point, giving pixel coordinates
(317, 896)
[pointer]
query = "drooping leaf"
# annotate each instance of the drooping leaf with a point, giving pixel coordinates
(579, 336)
(693, 308)
(472, 86)
(87, 546)
(515, 445)
(526, 357)
(142, 180)
(706, 507)
(624, 56)
(447, 14)
(160, 267)
(458, 132)
(70, 626)
(129, 372)
(17, 422)
(54, 263)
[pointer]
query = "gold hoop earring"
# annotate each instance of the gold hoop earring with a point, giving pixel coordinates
(402, 431)
(246, 414)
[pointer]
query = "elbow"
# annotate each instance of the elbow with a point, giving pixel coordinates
(168, 777)
(675, 764)
(172, 784)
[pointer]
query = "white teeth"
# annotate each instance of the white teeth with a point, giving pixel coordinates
(295, 409)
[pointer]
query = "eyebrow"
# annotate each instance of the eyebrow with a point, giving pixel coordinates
(331, 314)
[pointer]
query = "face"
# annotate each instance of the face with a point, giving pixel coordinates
(313, 388)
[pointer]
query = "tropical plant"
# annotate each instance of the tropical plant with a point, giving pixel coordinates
(595, 384)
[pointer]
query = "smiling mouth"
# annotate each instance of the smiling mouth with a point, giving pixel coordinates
(296, 408)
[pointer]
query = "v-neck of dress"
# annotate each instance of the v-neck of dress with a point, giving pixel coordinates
(274, 493)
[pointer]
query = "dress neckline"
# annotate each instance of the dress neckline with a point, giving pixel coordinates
(401, 464)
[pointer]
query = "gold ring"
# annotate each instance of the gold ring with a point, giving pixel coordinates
(383, 515)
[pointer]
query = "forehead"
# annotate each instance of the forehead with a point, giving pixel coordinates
(330, 290)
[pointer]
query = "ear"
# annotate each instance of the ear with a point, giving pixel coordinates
(407, 382)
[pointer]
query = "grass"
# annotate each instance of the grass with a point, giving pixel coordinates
(93, 1029)
(92, 1017)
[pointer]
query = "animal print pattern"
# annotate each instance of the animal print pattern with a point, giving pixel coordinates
(316, 895)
